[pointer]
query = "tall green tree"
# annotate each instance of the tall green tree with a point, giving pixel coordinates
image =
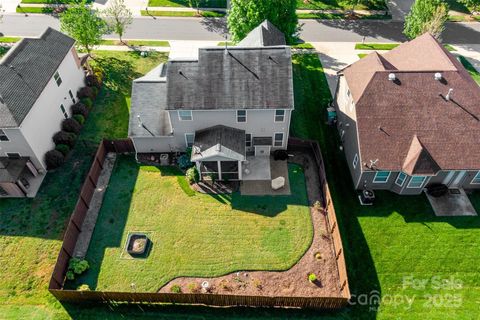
(472, 5)
(84, 24)
(426, 16)
(195, 4)
(245, 15)
(118, 17)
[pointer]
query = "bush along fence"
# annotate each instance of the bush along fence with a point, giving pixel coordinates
(327, 203)
(73, 230)
(65, 139)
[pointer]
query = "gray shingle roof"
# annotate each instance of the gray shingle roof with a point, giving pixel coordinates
(26, 70)
(266, 34)
(219, 141)
(242, 78)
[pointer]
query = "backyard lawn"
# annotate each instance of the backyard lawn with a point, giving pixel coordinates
(200, 235)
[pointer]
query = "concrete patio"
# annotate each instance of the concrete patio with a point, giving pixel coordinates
(256, 168)
(454, 203)
(264, 187)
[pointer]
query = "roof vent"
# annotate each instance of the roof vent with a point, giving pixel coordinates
(392, 77)
(438, 76)
(449, 94)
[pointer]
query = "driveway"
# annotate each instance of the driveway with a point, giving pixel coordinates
(399, 8)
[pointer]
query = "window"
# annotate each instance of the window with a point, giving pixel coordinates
(476, 179)
(279, 115)
(185, 115)
(417, 182)
(342, 133)
(13, 155)
(355, 161)
(71, 96)
(401, 179)
(65, 114)
(241, 115)
(189, 137)
(278, 141)
(57, 78)
(3, 136)
(381, 177)
(248, 140)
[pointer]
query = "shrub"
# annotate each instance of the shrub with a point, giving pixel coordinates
(176, 289)
(83, 287)
(258, 284)
(193, 287)
(76, 267)
(80, 108)
(312, 277)
(71, 125)
(87, 102)
(63, 137)
(54, 159)
(192, 175)
(184, 162)
(63, 148)
(94, 80)
(79, 118)
(86, 92)
(95, 91)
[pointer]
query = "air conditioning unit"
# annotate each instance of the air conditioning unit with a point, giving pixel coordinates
(164, 159)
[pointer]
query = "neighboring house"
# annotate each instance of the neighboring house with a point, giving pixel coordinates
(410, 118)
(230, 104)
(39, 81)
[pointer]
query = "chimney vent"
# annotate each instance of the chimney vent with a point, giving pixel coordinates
(438, 76)
(392, 77)
(449, 94)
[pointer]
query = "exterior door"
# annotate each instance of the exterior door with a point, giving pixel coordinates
(457, 179)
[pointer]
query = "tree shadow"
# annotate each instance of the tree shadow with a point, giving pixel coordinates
(215, 25)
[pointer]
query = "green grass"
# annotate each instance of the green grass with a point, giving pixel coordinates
(470, 68)
(335, 4)
(206, 14)
(9, 39)
(304, 45)
(203, 235)
(184, 3)
(362, 55)
(50, 1)
(397, 237)
(333, 16)
(44, 10)
(229, 43)
(149, 43)
(387, 46)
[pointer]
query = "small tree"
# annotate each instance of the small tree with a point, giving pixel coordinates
(84, 24)
(1, 13)
(245, 15)
(118, 17)
(472, 5)
(426, 16)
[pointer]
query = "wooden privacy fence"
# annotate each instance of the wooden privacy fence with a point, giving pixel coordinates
(81, 208)
(327, 202)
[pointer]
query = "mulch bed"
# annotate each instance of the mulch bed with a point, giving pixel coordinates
(292, 282)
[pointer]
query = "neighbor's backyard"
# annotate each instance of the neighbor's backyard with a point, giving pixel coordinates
(397, 237)
(200, 235)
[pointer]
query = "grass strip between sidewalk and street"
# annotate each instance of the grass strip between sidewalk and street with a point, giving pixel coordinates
(192, 14)
(148, 43)
(470, 68)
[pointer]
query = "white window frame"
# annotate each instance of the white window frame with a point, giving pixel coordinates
(70, 93)
(275, 115)
(404, 179)
(64, 111)
(386, 180)
(9, 155)
(477, 177)
(275, 140)
(57, 78)
(242, 116)
(248, 141)
(180, 117)
(409, 186)
(186, 140)
(355, 161)
(4, 136)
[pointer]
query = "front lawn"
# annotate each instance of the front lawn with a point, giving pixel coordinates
(200, 235)
(184, 3)
(190, 14)
(397, 237)
(339, 4)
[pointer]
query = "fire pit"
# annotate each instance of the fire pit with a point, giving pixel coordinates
(137, 244)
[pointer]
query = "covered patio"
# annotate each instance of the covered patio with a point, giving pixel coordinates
(454, 203)
(276, 168)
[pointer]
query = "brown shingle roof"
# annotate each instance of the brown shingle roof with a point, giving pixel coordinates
(392, 115)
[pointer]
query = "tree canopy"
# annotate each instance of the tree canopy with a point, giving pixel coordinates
(84, 24)
(118, 17)
(426, 16)
(245, 15)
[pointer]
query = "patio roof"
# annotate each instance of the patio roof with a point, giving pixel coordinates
(219, 142)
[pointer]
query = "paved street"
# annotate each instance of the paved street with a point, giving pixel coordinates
(212, 29)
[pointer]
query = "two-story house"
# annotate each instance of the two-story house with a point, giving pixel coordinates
(410, 118)
(39, 79)
(232, 105)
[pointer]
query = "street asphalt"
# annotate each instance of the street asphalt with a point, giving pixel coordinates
(213, 29)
